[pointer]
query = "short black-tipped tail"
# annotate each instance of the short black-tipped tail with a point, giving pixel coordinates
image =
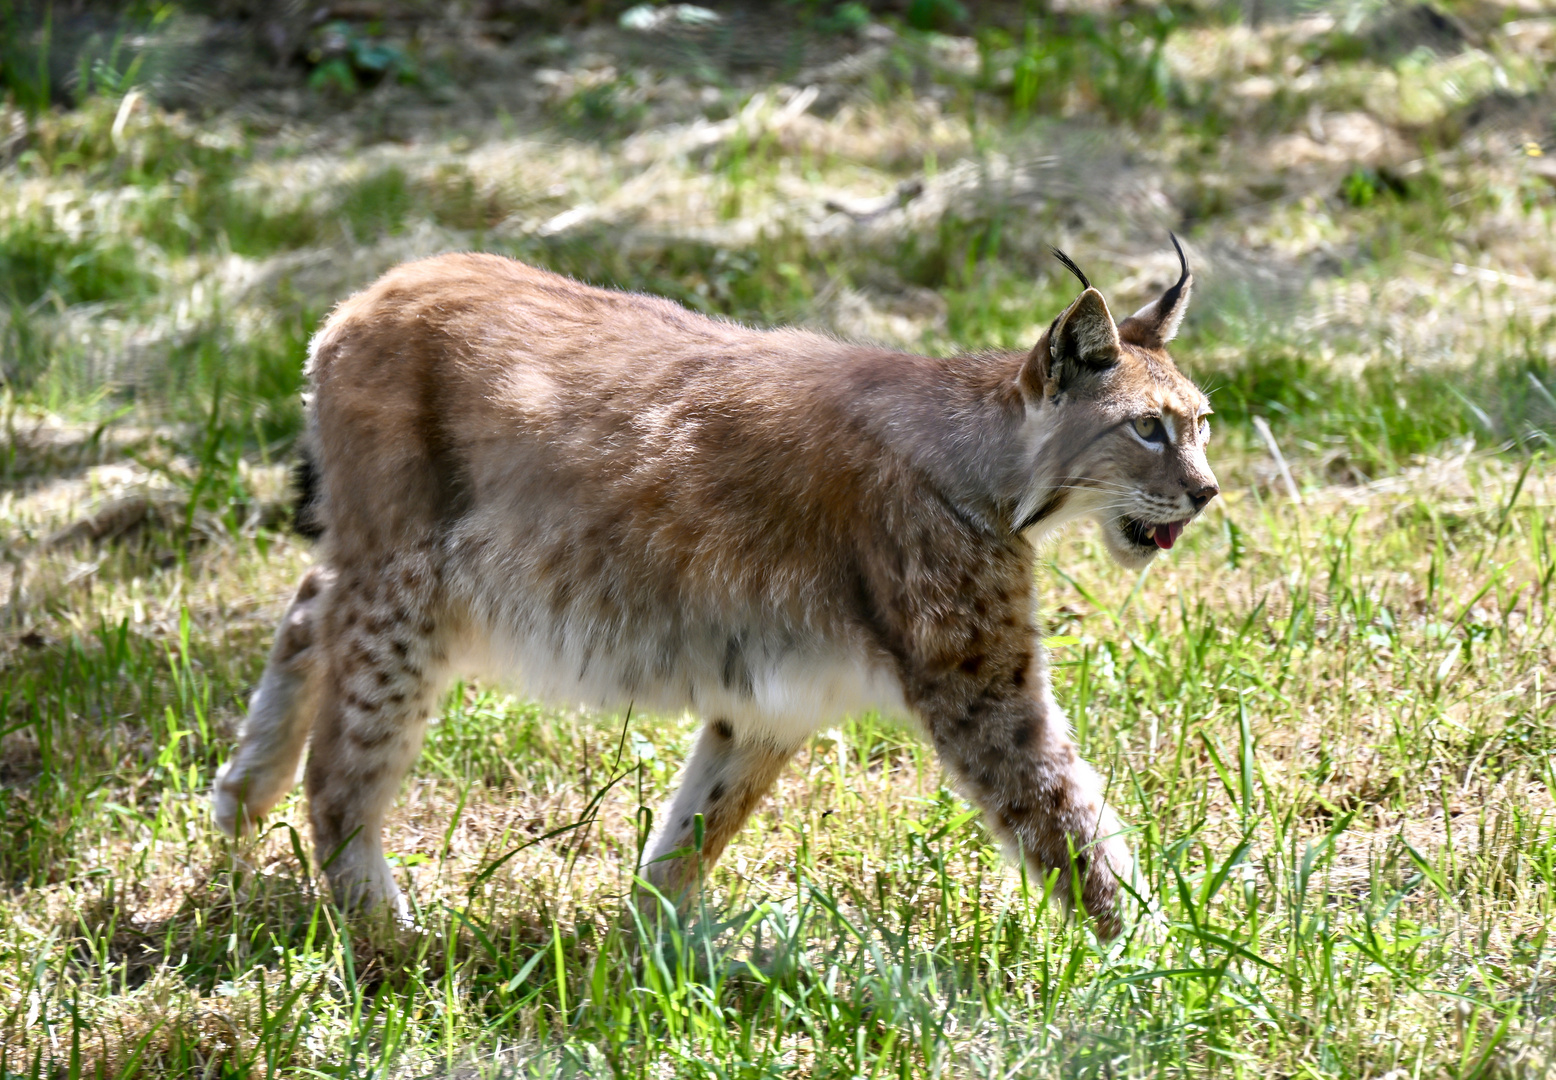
(305, 479)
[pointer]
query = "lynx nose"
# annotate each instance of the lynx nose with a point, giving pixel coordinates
(1203, 496)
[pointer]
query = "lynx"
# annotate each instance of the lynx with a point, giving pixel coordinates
(618, 501)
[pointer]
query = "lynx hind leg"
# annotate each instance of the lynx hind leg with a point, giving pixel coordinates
(263, 768)
(725, 779)
(388, 662)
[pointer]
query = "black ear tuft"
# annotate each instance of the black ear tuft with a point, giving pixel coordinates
(1083, 338)
(1154, 325)
(1174, 296)
(305, 477)
(1069, 265)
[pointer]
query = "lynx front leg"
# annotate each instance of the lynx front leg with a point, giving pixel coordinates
(1013, 756)
(725, 779)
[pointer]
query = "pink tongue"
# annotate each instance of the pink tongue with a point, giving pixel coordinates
(1167, 535)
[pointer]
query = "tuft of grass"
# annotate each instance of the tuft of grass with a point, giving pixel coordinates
(378, 205)
(39, 260)
(1380, 420)
(1058, 63)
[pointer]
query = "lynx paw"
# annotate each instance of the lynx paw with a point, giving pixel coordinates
(227, 803)
(1106, 867)
(1080, 836)
(363, 885)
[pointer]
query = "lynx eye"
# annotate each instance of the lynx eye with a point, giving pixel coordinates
(1151, 429)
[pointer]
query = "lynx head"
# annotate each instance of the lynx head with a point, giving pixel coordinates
(1124, 432)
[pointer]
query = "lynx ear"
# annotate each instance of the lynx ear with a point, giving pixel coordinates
(1086, 334)
(1082, 339)
(1154, 325)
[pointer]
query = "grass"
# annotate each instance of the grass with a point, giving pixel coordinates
(1336, 757)
(1327, 723)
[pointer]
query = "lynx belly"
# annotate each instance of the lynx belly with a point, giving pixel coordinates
(777, 691)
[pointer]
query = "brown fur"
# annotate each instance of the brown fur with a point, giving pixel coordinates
(624, 502)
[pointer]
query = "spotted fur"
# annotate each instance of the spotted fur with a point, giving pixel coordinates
(614, 500)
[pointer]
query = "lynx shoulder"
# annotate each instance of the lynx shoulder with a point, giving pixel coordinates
(608, 499)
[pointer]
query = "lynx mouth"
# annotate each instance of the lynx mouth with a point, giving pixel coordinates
(1148, 534)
